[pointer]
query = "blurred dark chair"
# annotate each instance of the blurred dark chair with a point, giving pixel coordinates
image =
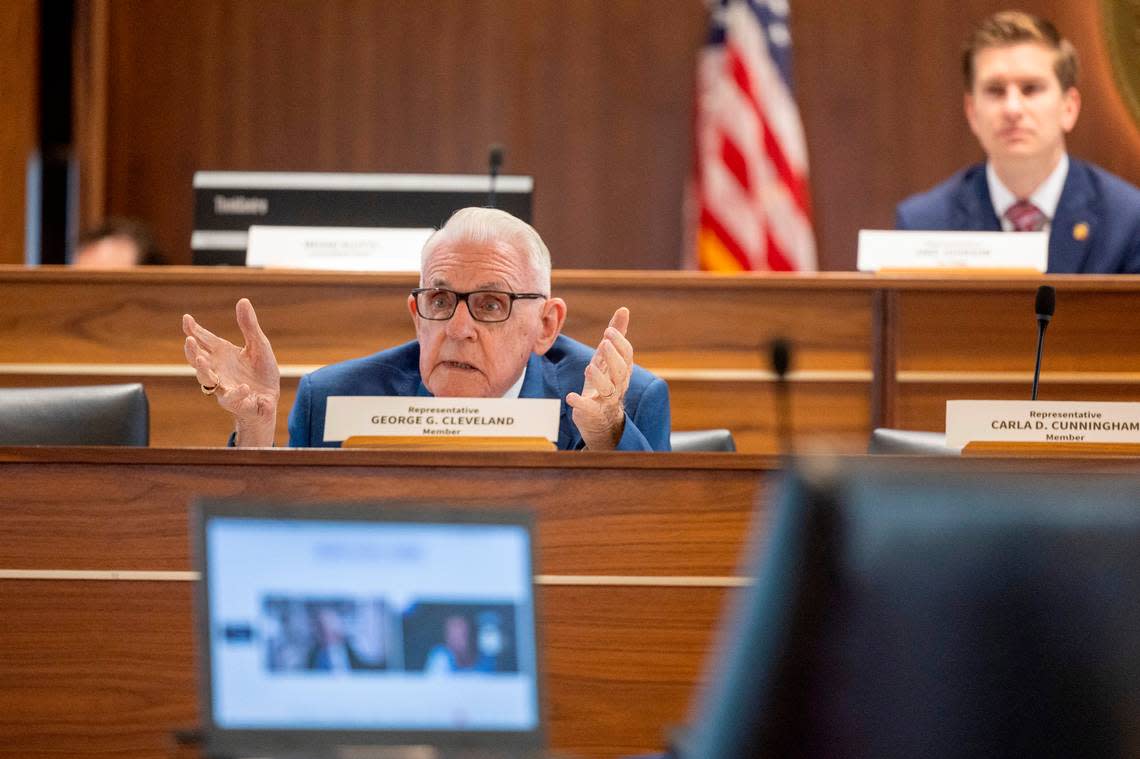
(885, 440)
(87, 415)
(935, 614)
(702, 440)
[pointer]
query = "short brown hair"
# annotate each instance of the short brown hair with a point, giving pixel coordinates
(1014, 27)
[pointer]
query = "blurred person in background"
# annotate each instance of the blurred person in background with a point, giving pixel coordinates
(115, 244)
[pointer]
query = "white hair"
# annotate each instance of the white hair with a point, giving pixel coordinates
(484, 226)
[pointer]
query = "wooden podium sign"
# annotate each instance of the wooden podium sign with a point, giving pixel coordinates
(1042, 422)
(441, 418)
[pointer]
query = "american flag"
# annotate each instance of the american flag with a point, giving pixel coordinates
(750, 175)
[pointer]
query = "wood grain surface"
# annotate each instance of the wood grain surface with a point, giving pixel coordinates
(19, 119)
(868, 351)
(979, 341)
(706, 335)
(109, 669)
(106, 667)
(685, 517)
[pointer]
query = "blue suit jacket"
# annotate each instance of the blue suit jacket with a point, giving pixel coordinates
(1106, 203)
(397, 372)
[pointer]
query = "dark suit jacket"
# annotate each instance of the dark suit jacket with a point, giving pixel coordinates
(396, 371)
(1106, 203)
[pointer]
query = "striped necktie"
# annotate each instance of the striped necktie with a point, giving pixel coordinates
(1025, 217)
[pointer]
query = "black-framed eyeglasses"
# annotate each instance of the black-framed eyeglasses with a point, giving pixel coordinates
(439, 304)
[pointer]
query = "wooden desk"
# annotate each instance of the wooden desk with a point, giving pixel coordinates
(869, 351)
(703, 333)
(976, 339)
(637, 554)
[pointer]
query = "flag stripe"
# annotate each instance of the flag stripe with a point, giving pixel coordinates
(714, 256)
(776, 259)
(772, 147)
(734, 162)
(711, 227)
(752, 199)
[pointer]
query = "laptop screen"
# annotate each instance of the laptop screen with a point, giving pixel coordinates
(377, 624)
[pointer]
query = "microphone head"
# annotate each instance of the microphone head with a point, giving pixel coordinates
(780, 356)
(495, 155)
(1046, 302)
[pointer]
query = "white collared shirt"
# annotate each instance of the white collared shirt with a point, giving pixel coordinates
(1045, 197)
(514, 390)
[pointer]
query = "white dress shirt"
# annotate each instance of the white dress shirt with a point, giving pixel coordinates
(1045, 197)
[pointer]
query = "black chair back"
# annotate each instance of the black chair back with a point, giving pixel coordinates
(87, 415)
(885, 440)
(716, 440)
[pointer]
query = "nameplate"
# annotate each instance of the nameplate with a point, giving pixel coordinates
(336, 248)
(381, 415)
(1041, 422)
(897, 249)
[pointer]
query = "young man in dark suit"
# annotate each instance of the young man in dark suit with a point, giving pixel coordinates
(1021, 100)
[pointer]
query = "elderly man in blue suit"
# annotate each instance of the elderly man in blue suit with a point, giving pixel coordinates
(486, 326)
(1021, 100)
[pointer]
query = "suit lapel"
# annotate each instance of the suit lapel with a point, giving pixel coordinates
(973, 207)
(543, 381)
(1069, 242)
(535, 382)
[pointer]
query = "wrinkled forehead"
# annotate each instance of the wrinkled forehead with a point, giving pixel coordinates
(465, 265)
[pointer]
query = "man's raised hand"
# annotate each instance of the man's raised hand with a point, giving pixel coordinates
(599, 411)
(245, 381)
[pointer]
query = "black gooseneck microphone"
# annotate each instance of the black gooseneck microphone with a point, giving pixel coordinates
(1045, 305)
(780, 359)
(494, 163)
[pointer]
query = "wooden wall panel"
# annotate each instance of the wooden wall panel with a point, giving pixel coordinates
(592, 97)
(19, 61)
(90, 70)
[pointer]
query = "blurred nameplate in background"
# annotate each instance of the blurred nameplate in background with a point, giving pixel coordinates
(336, 248)
(228, 203)
(969, 252)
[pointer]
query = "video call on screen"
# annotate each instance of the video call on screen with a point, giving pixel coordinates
(370, 625)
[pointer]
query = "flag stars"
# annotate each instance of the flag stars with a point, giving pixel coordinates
(778, 7)
(779, 35)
